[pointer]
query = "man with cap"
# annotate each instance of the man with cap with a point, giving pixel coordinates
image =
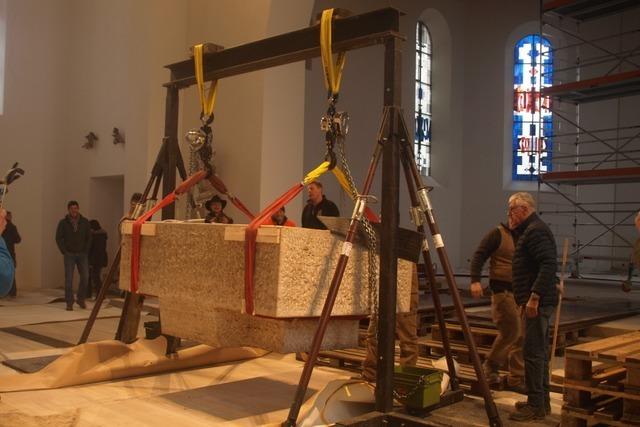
(215, 206)
(279, 218)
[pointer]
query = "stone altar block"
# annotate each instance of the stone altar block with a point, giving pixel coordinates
(197, 271)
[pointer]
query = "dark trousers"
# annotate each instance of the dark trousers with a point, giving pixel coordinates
(94, 280)
(14, 289)
(536, 357)
(80, 260)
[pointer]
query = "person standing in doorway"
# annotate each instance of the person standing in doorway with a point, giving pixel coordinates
(97, 256)
(12, 238)
(73, 237)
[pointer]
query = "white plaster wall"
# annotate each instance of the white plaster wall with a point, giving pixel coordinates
(31, 128)
(78, 65)
(75, 66)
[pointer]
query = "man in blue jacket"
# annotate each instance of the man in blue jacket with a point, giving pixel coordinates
(73, 237)
(7, 270)
(533, 274)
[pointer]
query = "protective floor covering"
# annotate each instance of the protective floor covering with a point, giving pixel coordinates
(109, 360)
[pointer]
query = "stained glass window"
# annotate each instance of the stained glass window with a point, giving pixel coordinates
(422, 140)
(532, 141)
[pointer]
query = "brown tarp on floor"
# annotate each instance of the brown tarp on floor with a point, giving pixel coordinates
(110, 360)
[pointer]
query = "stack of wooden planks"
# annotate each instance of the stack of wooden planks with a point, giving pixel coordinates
(602, 382)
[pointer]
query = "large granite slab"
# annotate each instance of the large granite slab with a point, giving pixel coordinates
(197, 271)
(294, 268)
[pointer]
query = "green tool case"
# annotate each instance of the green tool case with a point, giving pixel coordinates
(416, 387)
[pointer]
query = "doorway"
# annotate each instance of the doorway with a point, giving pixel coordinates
(106, 204)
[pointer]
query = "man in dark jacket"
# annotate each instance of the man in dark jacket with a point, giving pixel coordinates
(318, 204)
(73, 237)
(534, 286)
(12, 238)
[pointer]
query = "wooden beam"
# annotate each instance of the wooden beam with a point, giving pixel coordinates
(348, 33)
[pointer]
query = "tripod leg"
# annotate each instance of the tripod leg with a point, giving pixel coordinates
(130, 319)
(431, 275)
(331, 296)
(115, 264)
(425, 205)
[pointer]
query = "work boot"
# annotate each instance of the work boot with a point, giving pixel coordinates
(491, 372)
(519, 388)
(547, 407)
(528, 413)
(69, 308)
(82, 304)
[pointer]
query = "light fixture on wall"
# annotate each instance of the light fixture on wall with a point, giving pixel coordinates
(91, 140)
(118, 137)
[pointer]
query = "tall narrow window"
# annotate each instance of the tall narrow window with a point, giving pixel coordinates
(422, 141)
(532, 118)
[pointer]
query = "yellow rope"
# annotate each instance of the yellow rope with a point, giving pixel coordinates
(208, 101)
(332, 71)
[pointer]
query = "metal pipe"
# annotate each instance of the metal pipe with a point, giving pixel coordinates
(614, 149)
(588, 213)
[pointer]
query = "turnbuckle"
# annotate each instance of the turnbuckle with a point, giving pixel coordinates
(416, 215)
(361, 205)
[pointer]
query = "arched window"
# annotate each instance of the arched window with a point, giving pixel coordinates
(532, 118)
(422, 141)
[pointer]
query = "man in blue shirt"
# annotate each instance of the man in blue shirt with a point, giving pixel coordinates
(7, 270)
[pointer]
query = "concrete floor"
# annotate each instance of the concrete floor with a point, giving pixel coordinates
(246, 393)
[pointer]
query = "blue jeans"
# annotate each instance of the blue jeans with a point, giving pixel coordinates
(536, 357)
(70, 261)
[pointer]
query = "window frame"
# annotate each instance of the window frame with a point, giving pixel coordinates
(423, 112)
(528, 103)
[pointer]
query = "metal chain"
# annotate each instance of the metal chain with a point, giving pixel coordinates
(193, 167)
(371, 234)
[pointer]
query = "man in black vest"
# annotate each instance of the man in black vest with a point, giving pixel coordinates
(507, 347)
(317, 204)
(534, 286)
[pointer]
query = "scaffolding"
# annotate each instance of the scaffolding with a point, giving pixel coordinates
(591, 193)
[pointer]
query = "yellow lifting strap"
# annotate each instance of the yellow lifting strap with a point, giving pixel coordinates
(316, 173)
(332, 71)
(324, 167)
(344, 183)
(209, 100)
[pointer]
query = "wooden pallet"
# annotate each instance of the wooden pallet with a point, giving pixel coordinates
(484, 335)
(351, 359)
(602, 382)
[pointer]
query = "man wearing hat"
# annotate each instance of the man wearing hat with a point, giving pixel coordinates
(215, 206)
